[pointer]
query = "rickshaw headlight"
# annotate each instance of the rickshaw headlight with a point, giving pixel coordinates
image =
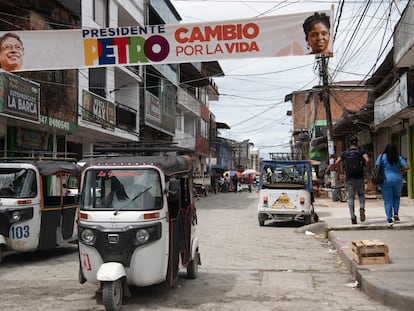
(142, 236)
(87, 236)
(16, 216)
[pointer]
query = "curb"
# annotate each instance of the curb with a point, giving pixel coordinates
(381, 294)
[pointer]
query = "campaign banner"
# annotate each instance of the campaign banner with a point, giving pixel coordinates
(272, 36)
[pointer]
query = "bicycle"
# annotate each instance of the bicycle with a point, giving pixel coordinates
(341, 193)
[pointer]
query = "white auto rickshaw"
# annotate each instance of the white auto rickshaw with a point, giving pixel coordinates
(285, 191)
(36, 211)
(136, 223)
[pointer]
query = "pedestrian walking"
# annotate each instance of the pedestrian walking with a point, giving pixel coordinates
(249, 182)
(226, 183)
(235, 182)
(357, 165)
(394, 166)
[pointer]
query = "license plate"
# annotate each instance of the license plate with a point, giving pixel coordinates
(283, 206)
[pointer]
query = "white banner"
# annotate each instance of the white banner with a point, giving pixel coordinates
(274, 36)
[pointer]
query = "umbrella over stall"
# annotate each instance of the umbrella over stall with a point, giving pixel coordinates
(231, 173)
(250, 172)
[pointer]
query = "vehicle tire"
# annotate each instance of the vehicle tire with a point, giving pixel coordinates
(342, 195)
(81, 277)
(192, 268)
(261, 219)
(112, 295)
(311, 218)
(1, 253)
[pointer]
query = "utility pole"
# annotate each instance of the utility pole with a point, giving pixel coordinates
(323, 72)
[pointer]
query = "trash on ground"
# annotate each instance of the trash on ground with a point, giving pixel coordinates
(352, 284)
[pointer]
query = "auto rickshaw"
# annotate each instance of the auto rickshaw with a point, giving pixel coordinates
(285, 191)
(136, 223)
(36, 212)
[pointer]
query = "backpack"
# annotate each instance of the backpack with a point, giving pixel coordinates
(354, 163)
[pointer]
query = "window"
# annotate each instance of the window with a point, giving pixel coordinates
(204, 128)
(97, 81)
(126, 119)
(100, 12)
(153, 82)
(18, 183)
(126, 189)
(178, 120)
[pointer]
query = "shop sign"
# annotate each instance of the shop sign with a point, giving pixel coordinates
(31, 139)
(98, 110)
(19, 97)
(58, 124)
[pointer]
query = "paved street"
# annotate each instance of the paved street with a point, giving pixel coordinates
(244, 267)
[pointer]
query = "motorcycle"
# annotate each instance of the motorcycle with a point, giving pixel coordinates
(137, 223)
(36, 210)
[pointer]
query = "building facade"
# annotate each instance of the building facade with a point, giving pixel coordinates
(80, 109)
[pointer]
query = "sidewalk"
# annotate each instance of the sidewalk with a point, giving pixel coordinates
(391, 284)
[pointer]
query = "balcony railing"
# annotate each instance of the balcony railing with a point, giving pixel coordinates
(188, 102)
(185, 140)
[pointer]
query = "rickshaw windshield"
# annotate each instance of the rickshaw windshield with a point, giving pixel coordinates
(122, 189)
(285, 173)
(18, 183)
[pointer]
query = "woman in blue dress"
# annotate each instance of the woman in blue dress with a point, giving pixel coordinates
(394, 166)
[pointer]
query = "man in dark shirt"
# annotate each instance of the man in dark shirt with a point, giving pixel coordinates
(355, 178)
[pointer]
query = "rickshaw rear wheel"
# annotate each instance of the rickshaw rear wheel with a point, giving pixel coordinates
(312, 218)
(261, 218)
(112, 295)
(192, 268)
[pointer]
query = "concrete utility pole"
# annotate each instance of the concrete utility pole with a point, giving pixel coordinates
(323, 72)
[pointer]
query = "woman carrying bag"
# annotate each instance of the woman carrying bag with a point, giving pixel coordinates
(394, 166)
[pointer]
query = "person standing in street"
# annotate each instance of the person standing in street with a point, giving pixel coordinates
(249, 182)
(235, 182)
(357, 165)
(394, 166)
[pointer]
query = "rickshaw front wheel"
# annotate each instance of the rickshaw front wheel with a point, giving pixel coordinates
(112, 295)
(192, 268)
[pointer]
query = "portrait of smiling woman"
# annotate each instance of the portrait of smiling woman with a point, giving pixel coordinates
(11, 52)
(317, 28)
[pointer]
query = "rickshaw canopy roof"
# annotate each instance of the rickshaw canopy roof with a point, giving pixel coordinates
(286, 163)
(47, 167)
(169, 164)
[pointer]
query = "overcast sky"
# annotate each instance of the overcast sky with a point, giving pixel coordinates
(253, 90)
